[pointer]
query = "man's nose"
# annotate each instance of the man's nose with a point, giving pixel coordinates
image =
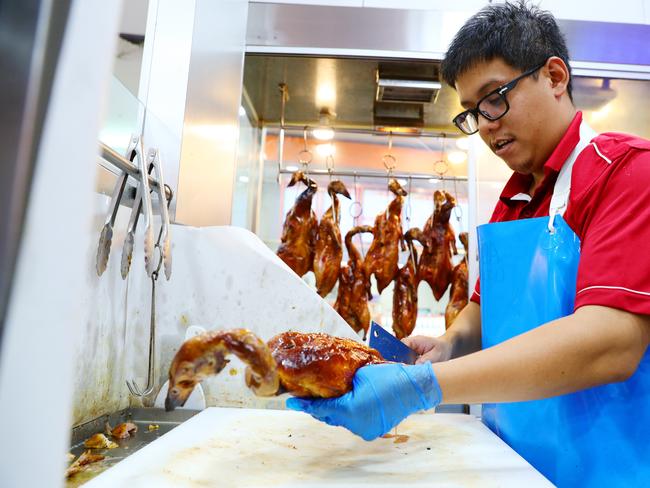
(485, 126)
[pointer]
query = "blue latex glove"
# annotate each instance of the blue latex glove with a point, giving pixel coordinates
(382, 396)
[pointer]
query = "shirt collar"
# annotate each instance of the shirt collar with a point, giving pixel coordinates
(519, 183)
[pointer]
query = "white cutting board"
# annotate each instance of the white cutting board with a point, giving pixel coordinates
(273, 448)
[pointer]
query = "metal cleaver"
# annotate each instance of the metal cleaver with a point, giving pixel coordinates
(390, 347)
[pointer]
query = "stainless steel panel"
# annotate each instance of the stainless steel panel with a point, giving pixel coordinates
(210, 132)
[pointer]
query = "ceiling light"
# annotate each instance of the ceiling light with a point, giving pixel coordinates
(324, 150)
(243, 179)
(291, 167)
(456, 157)
(323, 133)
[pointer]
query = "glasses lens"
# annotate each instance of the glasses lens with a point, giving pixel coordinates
(493, 106)
(466, 122)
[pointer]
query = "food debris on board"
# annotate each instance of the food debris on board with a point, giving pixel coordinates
(153, 427)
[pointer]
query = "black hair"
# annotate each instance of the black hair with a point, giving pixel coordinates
(523, 36)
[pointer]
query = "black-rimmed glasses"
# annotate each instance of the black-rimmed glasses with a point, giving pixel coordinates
(492, 106)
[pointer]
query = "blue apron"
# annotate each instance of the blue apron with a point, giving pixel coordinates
(594, 437)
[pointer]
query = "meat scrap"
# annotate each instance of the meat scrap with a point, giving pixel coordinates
(86, 458)
(99, 441)
(124, 430)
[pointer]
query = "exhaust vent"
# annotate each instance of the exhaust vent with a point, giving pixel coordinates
(390, 116)
(408, 83)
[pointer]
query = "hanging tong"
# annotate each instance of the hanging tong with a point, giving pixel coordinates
(129, 240)
(147, 212)
(164, 237)
(106, 236)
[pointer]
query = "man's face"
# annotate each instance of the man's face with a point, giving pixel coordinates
(523, 136)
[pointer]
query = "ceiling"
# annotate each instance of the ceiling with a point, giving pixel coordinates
(344, 85)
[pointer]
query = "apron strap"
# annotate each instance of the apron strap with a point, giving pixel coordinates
(562, 186)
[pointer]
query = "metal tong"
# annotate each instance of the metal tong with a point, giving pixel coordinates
(163, 245)
(106, 236)
(164, 241)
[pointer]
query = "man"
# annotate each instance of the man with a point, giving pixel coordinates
(582, 325)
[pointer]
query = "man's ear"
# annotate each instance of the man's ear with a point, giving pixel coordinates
(558, 75)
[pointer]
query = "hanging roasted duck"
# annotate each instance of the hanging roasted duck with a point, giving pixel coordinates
(405, 291)
(354, 286)
(438, 243)
(305, 365)
(299, 231)
(459, 294)
(328, 251)
(382, 256)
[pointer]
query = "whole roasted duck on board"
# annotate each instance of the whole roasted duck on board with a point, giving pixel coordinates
(299, 231)
(405, 292)
(354, 286)
(306, 365)
(382, 256)
(328, 251)
(438, 242)
(459, 294)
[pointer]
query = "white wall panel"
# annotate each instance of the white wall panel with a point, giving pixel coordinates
(646, 11)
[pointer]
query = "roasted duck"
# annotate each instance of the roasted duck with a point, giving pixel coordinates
(310, 365)
(405, 292)
(299, 231)
(354, 287)
(382, 256)
(459, 294)
(328, 247)
(438, 243)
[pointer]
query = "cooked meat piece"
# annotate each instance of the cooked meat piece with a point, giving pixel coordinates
(319, 365)
(124, 430)
(99, 441)
(382, 256)
(313, 364)
(405, 292)
(86, 458)
(299, 231)
(439, 242)
(354, 287)
(328, 247)
(459, 295)
(205, 355)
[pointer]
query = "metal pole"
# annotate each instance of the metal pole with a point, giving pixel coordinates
(361, 174)
(127, 166)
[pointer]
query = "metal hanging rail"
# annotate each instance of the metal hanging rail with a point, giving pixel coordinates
(375, 132)
(368, 174)
(127, 166)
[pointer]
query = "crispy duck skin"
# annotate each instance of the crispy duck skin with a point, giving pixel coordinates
(459, 295)
(354, 286)
(328, 251)
(299, 230)
(405, 292)
(319, 365)
(383, 254)
(314, 364)
(439, 242)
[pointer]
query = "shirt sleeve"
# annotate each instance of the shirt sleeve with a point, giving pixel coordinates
(614, 269)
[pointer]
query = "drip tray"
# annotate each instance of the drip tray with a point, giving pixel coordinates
(146, 419)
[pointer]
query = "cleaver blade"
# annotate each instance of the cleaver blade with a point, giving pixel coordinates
(390, 347)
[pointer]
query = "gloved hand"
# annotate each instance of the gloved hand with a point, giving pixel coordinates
(382, 396)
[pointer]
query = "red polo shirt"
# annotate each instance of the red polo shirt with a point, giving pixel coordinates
(609, 209)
